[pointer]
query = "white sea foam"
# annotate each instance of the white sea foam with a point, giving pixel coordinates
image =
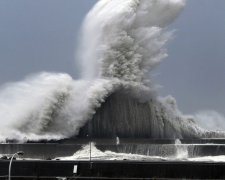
(96, 154)
(220, 158)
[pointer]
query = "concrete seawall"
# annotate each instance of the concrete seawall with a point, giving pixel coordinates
(149, 147)
(113, 169)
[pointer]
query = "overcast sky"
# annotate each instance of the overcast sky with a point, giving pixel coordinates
(41, 35)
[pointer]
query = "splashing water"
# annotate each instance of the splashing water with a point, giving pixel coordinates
(122, 41)
(96, 154)
(210, 120)
(48, 106)
(182, 151)
(125, 39)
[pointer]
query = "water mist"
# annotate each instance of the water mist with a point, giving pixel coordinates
(122, 41)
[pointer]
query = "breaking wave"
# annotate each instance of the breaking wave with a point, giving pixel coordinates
(126, 39)
(48, 106)
(122, 41)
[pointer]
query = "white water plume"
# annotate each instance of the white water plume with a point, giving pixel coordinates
(122, 41)
(48, 106)
(25, 106)
(182, 150)
(126, 39)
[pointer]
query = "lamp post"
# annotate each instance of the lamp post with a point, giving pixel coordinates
(90, 142)
(19, 153)
(89, 152)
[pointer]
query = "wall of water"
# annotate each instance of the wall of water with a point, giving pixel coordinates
(122, 115)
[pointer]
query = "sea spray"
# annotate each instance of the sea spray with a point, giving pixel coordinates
(126, 39)
(122, 41)
(182, 150)
(210, 120)
(49, 106)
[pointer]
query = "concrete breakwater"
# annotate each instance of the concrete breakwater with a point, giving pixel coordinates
(147, 147)
(113, 169)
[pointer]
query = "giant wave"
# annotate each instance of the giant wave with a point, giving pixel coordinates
(121, 43)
